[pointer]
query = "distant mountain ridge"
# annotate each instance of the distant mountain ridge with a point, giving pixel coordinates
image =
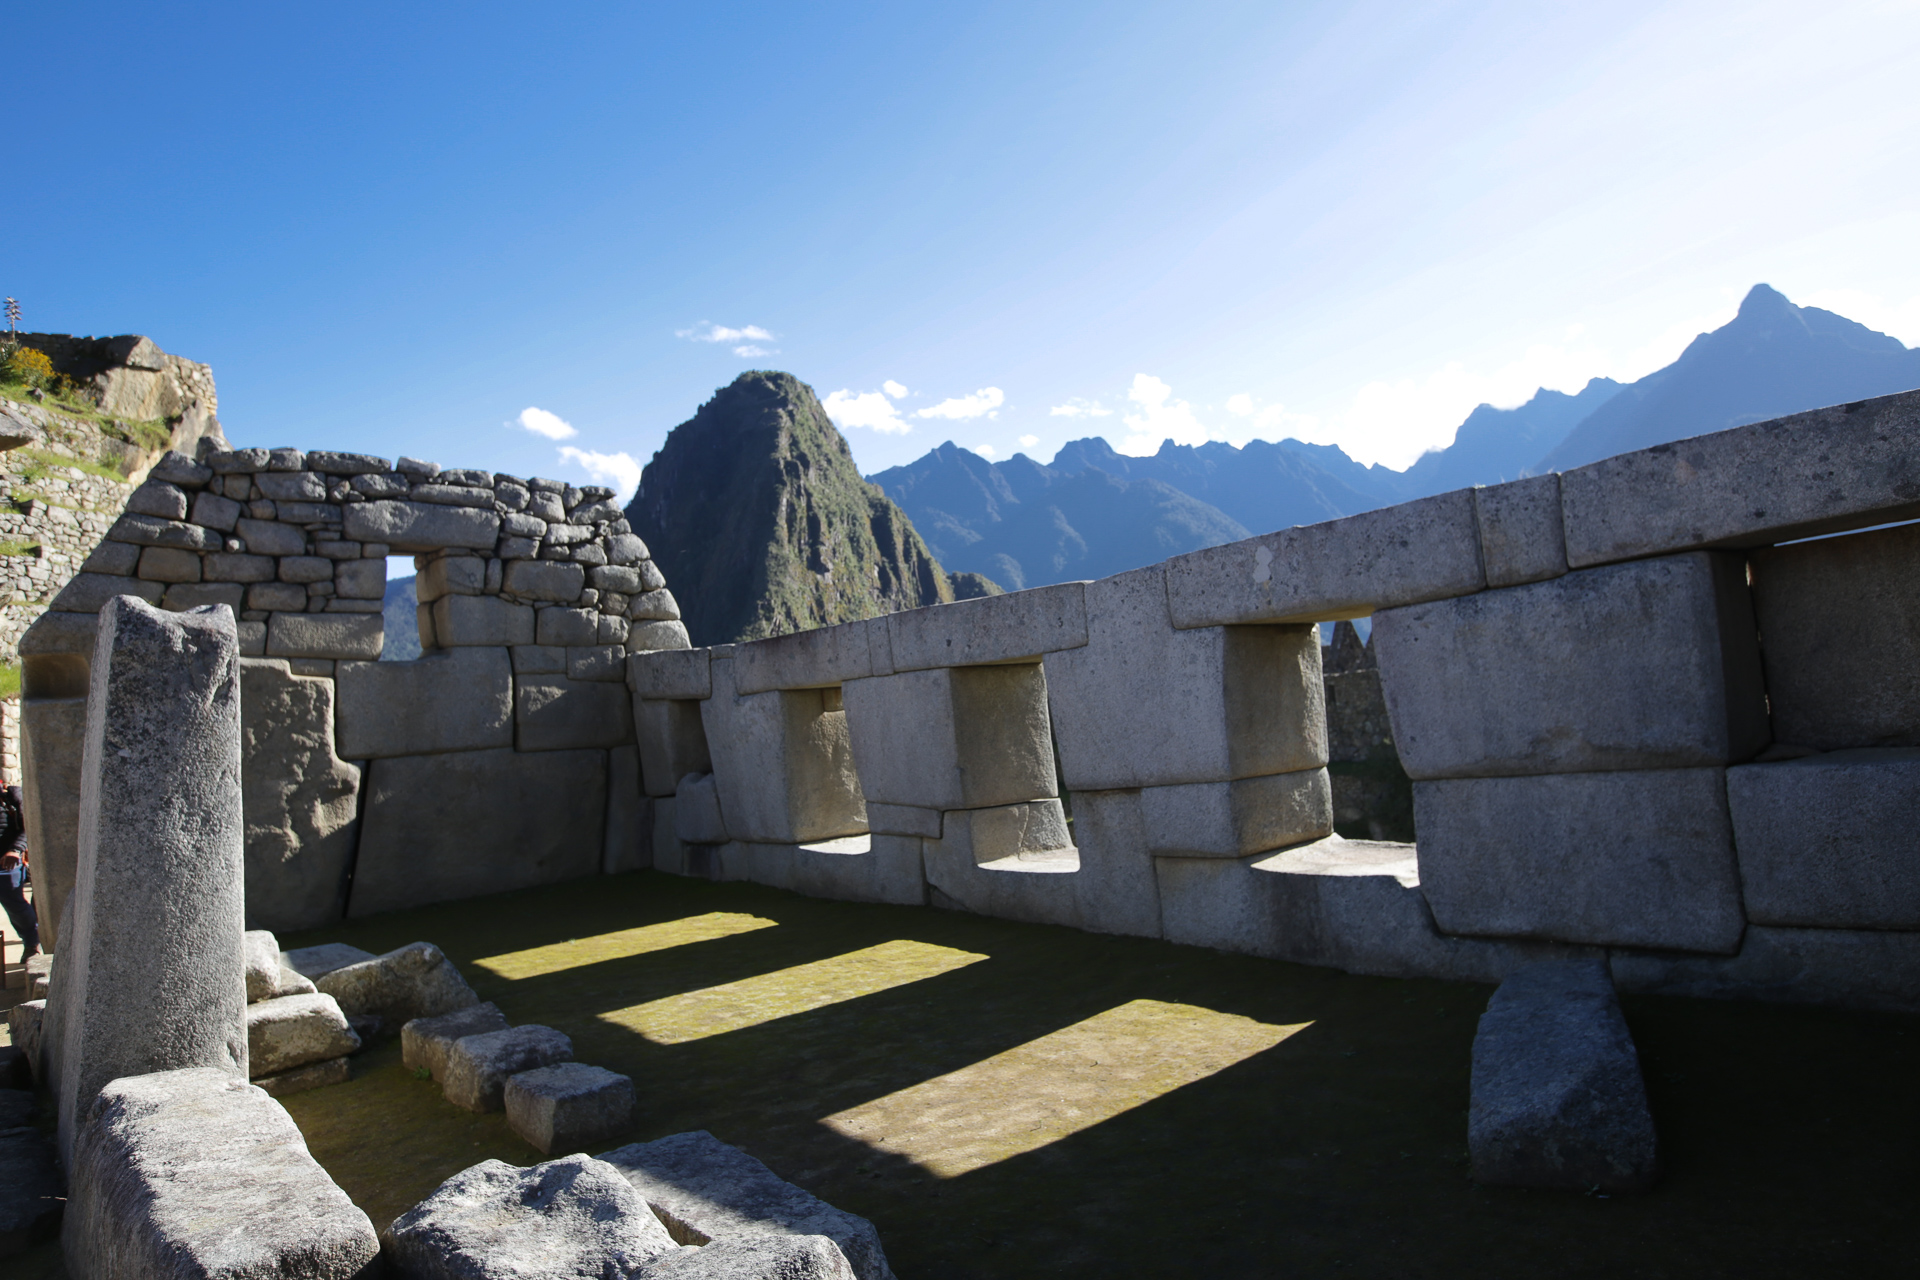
(1094, 511)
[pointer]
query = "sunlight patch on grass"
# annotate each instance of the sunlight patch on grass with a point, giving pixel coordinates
(577, 952)
(733, 1006)
(1050, 1088)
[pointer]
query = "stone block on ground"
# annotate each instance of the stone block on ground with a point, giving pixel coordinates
(198, 1173)
(1840, 627)
(312, 962)
(706, 1190)
(1018, 626)
(1648, 665)
(315, 1075)
(763, 1258)
(1427, 549)
(1238, 818)
(457, 700)
(32, 1193)
(1017, 862)
(424, 1041)
(153, 977)
(262, 953)
(291, 1031)
(1636, 859)
(554, 713)
(1844, 467)
(1828, 840)
(414, 981)
(1558, 1100)
(299, 798)
(479, 1065)
(570, 1219)
(1145, 705)
(783, 763)
(423, 839)
(568, 1106)
(952, 738)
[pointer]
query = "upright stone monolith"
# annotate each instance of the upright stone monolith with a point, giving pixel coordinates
(151, 976)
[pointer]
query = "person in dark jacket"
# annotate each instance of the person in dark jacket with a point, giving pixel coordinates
(13, 870)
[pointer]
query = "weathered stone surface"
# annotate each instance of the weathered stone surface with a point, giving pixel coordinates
(116, 559)
(1021, 625)
(604, 663)
(628, 840)
(553, 713)
(360, 579)
(1427, 549)
(53, 732)
(1234, 819)
(1017, 862)
(1521, 538)
(32, 1193)
(414, 981)
(783, 763)
(169, 564)
(315, 1075)
(157, 498)
(285, 597)
(424, 1042)
(423, 839)
(568, 1106)
(312, 962)
(1840, 625)
(1637, 859)
(479, 1065)
(1558, 1101)
(568, 1219)
(182, 596)
(324, 635)
(554, 580)
(457, 700)
(234, 567)
(175, 467)
(345, 464)
(480, 620)
(292, 1031)
(952, 738)
(450, 575)
(670, 854)
(1828, 840)
(90, 592)
(668, 674)
(270, 538)
(539, 660)
(902, 820)
(672, 741)
(292, 486)
(567, 626)
(1649, 665)
(1145, 705)
(152, 978)
(26, 1028)
(1844, 467)
(697, 818)
(150, 531)
(853, 869)
(704, 1189)
(1846, 968)
(260, 951)
(819, 658)
(785, 1257)
(420, 526)
(660, 606)
(153, 1189)
(299, 798)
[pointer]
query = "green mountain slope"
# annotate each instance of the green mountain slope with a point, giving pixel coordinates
(763, 526)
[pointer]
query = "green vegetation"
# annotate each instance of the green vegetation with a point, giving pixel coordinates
(24, 369)
(42, 461)
(9, 679)
(18, 546)
(763, 526)
(1787, 1133)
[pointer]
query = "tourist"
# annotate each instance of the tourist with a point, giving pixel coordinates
(13, 871)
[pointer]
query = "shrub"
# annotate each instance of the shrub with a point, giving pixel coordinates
(25, 364)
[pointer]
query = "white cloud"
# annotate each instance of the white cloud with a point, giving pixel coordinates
(894, 389)
(1078, 408)
(986, 451)
(984, 403)
(1027, 442)
(1157, 416)
(1898, 319)
(617, 470)
(704, 332)
(870, 409)
(550, 425)
(1240, 406)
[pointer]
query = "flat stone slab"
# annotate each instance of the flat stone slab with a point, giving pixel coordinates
(32, 1193)
(570, 1219)
(414, 981)
(479, 1066)
(758, 1258)
(315, 1075)
(569, 1106)
(1558, 1101)
(292, 1031)
(705, 1190)
(312, 962)
(424, 1042)
(198, 1173)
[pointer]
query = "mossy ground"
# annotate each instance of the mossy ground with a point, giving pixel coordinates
(1118, 1107)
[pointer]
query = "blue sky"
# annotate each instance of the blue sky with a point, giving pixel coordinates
(397, 228)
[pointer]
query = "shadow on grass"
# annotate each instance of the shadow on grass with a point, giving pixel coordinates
(1788, 1132)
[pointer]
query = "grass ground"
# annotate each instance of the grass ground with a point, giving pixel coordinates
(1013, 1100)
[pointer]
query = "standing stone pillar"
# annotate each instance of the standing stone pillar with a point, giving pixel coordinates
(151, 976)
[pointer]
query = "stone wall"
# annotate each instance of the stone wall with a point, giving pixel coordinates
(373, 785)
(1638, 713)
